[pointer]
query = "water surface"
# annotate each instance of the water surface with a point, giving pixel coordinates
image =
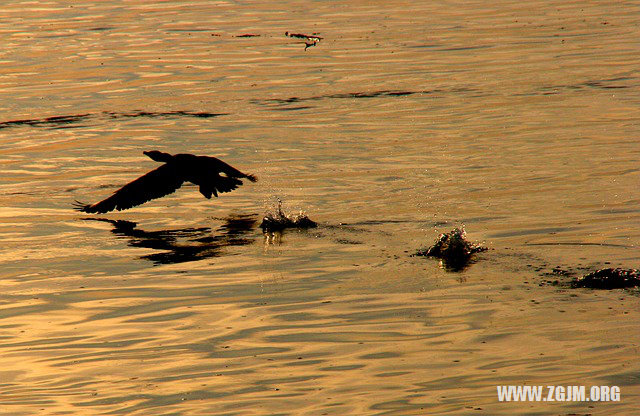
(518, 120)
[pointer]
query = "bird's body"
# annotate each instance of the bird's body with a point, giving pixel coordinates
(212, 175)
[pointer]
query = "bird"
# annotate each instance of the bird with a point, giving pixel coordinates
(309, 40)
(211, 174)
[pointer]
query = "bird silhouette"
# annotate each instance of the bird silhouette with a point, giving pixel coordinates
(212, 175)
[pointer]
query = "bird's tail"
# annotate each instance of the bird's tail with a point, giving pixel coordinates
(80, 206)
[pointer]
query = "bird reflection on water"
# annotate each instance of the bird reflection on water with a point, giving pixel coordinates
(186, 244)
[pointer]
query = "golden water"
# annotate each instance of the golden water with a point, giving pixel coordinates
(517, 119)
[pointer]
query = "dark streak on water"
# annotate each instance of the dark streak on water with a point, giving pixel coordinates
(372, 94)
(302, 107)
(65, 120)
(45, 122)
(62, 121)
(578, 243)
(465, 48)
(599, 84)
(164, 114)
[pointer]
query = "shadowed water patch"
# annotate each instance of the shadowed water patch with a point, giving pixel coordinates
(163, 318)
(524, 232)
(150, 401)
(380, 355)
(343, 367)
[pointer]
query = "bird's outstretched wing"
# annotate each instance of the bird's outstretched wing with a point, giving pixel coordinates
(155, 184)
(226, 184)
(218, 183)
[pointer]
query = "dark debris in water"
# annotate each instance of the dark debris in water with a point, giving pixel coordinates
(609, 279)
(279, 220)
(453, 249)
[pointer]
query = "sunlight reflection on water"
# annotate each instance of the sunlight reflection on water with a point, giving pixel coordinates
(517, 120)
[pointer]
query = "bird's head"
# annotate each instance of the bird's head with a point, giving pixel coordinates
(158, 156)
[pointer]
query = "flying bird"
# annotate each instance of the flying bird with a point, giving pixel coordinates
(212, 175)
